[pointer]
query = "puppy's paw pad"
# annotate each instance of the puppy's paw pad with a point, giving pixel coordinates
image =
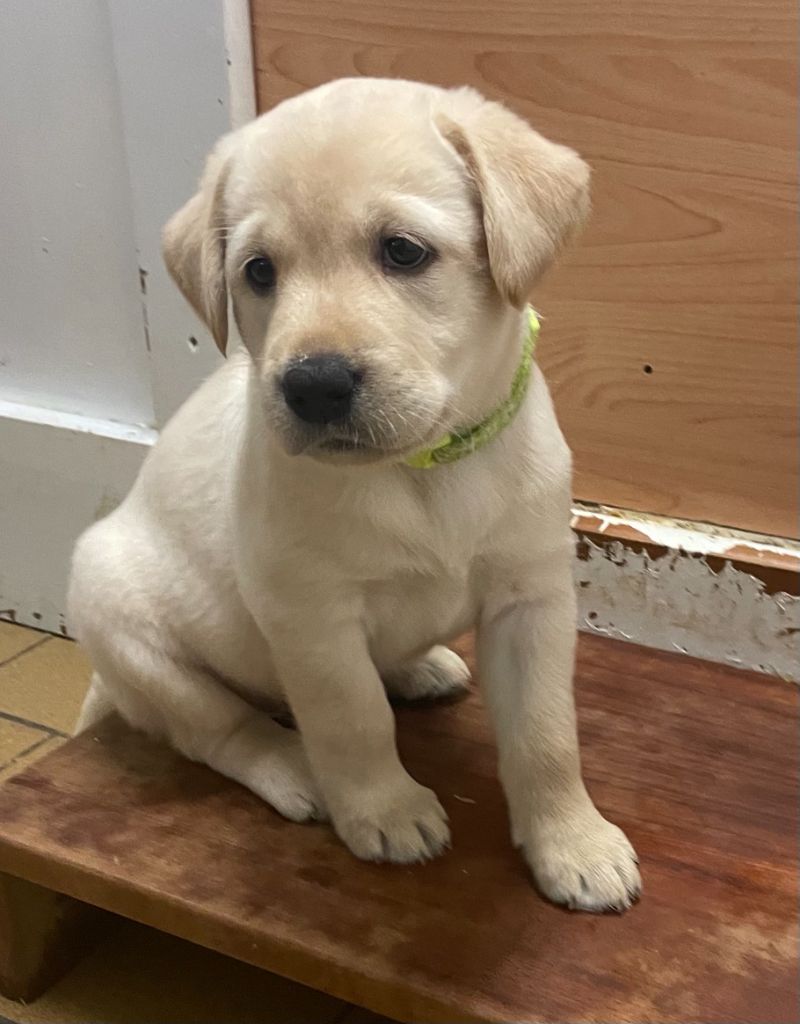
(585, 863)
(439, 675)
(407, 826)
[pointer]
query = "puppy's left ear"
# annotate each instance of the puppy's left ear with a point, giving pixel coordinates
(193, 245)
(534, 193)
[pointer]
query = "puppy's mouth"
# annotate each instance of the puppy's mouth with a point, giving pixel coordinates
(347, 450)
(360, 446)
(343, 445)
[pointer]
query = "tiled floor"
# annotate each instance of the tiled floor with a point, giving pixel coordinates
(137, 974)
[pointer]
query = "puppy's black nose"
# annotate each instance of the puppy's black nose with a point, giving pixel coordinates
(319, 389)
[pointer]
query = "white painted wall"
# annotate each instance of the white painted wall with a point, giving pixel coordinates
(71, 331)
(107, 110)
(173, 80)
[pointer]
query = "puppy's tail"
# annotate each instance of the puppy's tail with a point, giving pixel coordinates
(96, 705)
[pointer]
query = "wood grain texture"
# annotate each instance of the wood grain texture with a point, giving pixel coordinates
(697, 761)
(688, 115)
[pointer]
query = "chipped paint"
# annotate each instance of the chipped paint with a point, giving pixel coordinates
(686, 535)
(676, 601)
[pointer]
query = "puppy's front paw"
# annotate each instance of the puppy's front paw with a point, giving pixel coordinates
(404, 825)
(438, 675)
(284, 779)
(584, 861)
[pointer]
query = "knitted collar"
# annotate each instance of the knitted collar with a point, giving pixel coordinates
(461, 443)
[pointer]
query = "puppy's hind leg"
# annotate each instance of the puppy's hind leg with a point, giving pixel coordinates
(438, 675)
(208, 723)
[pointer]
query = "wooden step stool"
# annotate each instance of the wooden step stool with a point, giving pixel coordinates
(696, 761)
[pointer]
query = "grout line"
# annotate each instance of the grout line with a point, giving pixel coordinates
(19, 720)
(25, 650)
(21, 754)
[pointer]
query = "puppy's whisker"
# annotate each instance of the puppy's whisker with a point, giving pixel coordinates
(394, 432)
(391, 426)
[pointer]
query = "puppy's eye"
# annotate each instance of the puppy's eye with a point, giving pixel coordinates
(260, 273)
(399, 253)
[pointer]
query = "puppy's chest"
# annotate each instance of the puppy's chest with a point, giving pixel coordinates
(411, 549)
(422, 563)
(410, 614)
(423, 530)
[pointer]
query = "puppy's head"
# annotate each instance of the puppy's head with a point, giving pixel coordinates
(376, 239)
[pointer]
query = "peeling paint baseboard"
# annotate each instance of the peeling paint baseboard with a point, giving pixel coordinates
(703, 590)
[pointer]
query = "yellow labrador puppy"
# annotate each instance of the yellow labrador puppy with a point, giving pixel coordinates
(377, 471)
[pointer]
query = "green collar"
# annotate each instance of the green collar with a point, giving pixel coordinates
(461, 443)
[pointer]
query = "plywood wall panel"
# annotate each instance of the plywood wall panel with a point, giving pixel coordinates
(670, 333)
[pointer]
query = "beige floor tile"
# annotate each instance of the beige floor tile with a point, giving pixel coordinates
(138, 975)
(16, 739)
(27, 758)
(14, 639)
(46, 685)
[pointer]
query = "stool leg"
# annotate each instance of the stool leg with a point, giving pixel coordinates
(42, 935)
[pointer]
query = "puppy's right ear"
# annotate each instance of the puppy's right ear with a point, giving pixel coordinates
(193, 245)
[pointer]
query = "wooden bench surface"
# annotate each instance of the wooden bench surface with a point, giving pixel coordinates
(697, 762)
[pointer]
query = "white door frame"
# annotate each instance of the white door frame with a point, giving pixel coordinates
(185, 76)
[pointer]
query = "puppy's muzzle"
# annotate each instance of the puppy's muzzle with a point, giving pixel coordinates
(320, 389)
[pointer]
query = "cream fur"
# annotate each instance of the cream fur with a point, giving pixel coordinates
(249, 568)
